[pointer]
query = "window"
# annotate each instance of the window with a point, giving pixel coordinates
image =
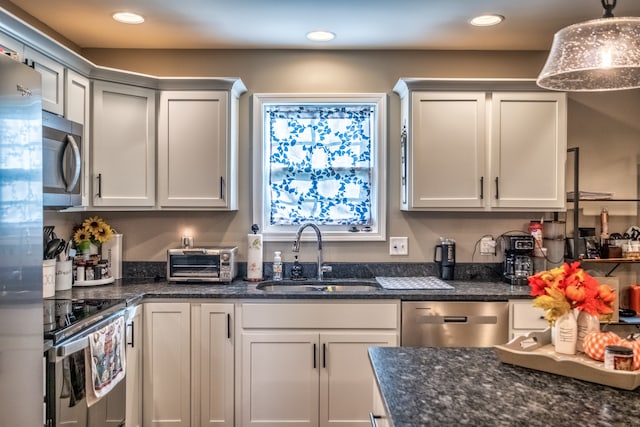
(321, 159)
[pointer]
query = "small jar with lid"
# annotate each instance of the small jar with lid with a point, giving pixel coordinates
(618, 358)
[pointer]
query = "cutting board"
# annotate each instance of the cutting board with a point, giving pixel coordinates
(428, 282)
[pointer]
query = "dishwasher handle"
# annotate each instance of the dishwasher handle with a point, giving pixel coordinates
(473, 320)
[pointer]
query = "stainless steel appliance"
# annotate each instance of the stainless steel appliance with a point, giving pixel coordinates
(454, 324)
(68, 323)
(21, 349)
(447, 261)
(202, 264)
(61, 161)
(518, 263)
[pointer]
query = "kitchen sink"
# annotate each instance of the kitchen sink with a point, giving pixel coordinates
(318, 286)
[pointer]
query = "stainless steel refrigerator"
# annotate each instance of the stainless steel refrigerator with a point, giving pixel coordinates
(21, 240)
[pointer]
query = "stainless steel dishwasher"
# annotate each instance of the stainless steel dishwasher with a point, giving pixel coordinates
(454, 324)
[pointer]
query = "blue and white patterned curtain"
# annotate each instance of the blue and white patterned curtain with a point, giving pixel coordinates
(320, 163)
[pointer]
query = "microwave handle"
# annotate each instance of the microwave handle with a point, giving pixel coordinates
(76, 162)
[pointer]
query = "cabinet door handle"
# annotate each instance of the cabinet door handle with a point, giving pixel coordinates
(132, 343)
(222, 185)
(497, 188)
(314, 356)
(99, 194)
(228, 326)
(481, 187)
(324, 355)
(373, 418)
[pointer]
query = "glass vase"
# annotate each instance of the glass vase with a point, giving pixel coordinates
(586, 323)
(566, 333)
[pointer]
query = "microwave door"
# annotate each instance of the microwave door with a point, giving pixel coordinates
(71, 164)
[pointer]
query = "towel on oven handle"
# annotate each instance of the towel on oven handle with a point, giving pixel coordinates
(105, 360)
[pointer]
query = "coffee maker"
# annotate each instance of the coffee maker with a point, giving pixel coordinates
(447, 261)
(518, 263)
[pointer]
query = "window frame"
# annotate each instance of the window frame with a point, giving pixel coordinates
(279, 233)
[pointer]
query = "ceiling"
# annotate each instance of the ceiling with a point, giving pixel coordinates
(282, 24)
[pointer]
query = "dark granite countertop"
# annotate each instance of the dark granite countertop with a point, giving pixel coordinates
(135, 289)
(470, 386)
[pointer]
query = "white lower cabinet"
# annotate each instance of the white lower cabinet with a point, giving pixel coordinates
(306, 364)
(212, 364)
(134, 368)
(525, 318)
(379, 416)
(167, 364)
(188, 364)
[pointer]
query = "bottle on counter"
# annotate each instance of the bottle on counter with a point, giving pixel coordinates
(277, 265)
(296, 270)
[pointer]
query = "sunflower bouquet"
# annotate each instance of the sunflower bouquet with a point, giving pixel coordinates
(569, 287)
(92, 230)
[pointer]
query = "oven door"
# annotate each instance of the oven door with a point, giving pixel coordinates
(66, 392)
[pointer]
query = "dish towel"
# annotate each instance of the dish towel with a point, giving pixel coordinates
(105, 360)
(427, 282)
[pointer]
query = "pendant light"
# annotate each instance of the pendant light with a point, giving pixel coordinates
(598, 55)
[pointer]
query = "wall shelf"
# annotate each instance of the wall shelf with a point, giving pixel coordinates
(616, 261)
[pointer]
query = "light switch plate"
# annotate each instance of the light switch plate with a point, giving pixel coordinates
(398, 246)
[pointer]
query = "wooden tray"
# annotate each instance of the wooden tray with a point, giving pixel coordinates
(535, 351)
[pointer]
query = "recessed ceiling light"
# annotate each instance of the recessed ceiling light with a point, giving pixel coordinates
(486, 20)
(128, 18)
(321, 36)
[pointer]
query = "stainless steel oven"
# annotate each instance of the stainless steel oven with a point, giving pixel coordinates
(69, 323)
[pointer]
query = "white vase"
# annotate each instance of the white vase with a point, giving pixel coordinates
(586, 323)
(566, 333)
(94, 249)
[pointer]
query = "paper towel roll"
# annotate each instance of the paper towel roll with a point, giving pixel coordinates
(112, 250)
(254, 257)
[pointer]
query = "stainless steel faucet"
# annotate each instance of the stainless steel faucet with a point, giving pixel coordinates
(296, 246)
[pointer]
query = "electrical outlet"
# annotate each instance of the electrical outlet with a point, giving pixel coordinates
(487, 246)
(398, 246)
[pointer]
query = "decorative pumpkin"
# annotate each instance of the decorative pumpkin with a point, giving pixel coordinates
(595, 342)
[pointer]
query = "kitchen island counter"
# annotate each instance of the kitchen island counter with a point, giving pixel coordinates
(133, 290)
(424, 386)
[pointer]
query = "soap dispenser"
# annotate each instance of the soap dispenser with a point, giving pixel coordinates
(277, 266)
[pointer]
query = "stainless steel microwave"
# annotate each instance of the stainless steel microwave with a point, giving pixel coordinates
(61, 161)
(202, 264)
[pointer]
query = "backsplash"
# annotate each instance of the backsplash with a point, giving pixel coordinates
(464, 271)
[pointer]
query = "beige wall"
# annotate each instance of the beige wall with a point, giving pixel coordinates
(597, 122)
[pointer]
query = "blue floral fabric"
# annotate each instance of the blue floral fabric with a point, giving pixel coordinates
(320, 166)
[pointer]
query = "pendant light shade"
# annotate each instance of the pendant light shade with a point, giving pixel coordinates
(597, 55)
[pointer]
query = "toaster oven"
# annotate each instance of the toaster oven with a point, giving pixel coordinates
(202, 264)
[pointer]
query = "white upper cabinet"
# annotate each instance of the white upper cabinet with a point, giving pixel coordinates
(528, 150)
(197, 150)
(77, 108)
(123, 145)
(52, 80)
(481, 145)
(448, 150)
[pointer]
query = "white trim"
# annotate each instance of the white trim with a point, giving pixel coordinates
(379, 159)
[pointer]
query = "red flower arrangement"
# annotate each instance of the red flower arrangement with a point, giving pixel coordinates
(569, 287)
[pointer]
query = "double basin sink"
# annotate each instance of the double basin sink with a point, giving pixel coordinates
(329, 285)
